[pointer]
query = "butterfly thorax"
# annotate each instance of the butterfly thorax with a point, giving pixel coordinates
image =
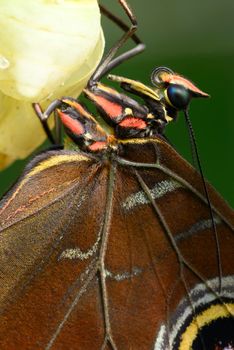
(122, 117)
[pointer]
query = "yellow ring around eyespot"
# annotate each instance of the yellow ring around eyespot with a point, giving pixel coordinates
(206, 317)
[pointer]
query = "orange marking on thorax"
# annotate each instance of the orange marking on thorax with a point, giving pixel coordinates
(133, 122)
(74, 125)
(98, 146)
(111, 108)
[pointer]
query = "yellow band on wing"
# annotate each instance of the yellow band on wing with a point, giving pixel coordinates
(56, 160)
(140, 141)
(203, 319)
(43, 165)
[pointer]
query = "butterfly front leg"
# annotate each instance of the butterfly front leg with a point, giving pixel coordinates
(43, 117)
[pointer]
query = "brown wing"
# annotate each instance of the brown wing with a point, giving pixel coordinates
(109, 257)
(164, 275)
(52, 210)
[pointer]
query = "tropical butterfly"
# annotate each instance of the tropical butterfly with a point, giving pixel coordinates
(112, 243)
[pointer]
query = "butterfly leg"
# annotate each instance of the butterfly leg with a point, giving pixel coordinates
(106, 65)
(43, 117)
(108, 62)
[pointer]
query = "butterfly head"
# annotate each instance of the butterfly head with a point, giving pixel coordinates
(176, 90)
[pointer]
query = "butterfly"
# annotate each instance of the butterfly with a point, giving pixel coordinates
(110, 243)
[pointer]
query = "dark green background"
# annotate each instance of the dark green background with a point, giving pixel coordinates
(194, 38)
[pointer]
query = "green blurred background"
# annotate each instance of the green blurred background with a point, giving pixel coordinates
(194, 38)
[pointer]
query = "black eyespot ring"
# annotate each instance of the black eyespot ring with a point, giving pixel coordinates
(156, 76)
(201, 316)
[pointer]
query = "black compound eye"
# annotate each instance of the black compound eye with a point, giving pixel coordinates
(178, 96)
